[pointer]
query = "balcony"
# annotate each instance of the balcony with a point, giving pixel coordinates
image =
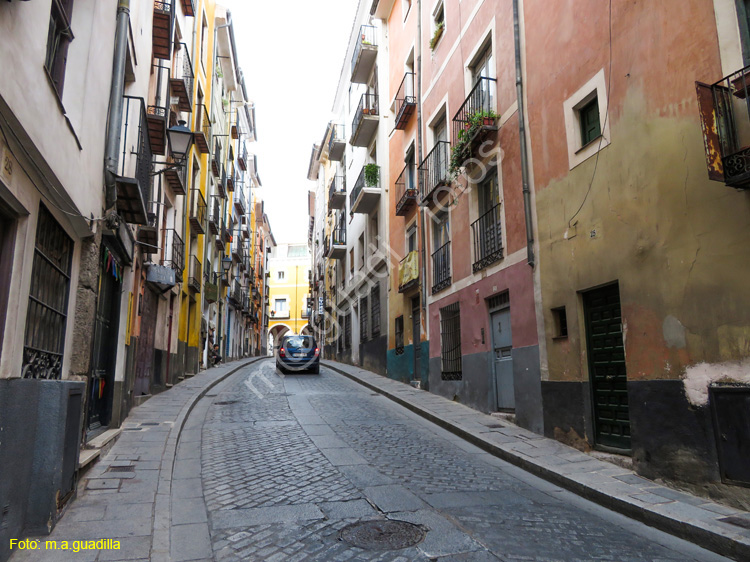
(441, 268)
(336, 243)
(725, 116)
(236, 129)
(433, 171)
(235, 294)
(157, 128)
(211, 287)
(366, 119)
(228, 231)
(488, 239)
(188, 8)
(134, 165)
(406, 190)
(366, 193)
(174, 252)
(230, 180)
(239, 202)
(195, 274)
(337, 143)
(181, 82)
(161, 35)
(337, 192)
(365, 54)
(474, 122)
(197, 212)
(406, 101)
(238, 251)
(176, 178)
(219, 241)
(242, 158)
(202, 130)
(408, 272)
(216, 161)
(148, 234)
(245, 230)
(214, 219)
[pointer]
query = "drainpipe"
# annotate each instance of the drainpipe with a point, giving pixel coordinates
(522, 133)
(418, 77)
(116, 102)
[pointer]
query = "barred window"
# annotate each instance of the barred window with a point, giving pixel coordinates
(59, 37)
(450, 342)
(399, 331)
(348, 331)
(363, 320)
(47, 316)
(375, 310)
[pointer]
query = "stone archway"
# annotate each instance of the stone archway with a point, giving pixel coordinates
(275, 333)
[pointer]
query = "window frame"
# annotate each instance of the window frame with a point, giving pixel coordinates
(56, 59)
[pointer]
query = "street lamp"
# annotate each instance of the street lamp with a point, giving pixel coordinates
(226, 265)
(180, 140)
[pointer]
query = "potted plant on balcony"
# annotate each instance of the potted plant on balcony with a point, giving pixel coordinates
(478, 120)
(437, 35)
(372, 175)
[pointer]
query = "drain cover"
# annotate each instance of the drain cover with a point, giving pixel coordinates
(382, 535)
(130, 468)
(150, 423)
(226, 402)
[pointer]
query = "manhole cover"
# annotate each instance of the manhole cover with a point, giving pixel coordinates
(382, 535)
(121, 469)
(226, 402)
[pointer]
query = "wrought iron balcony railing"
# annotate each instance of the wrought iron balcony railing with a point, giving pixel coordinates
(488, 238)
(134, 166)
(433, 171)
(214, 220)
(174, 252)
(182, 79)
(337, 142)
(441, 268)
(197, 212)
(216, 162)
(475, 118)
(371, 180)
(157, 128)
(364, 53)
(337, 192)
(203, 129)
(161, 33)
(406, 190)
(406, 101)
(242, 157)
(368, 106)
(195, 274)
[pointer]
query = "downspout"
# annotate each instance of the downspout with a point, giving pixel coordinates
(522, 133)
(418, 77)
(116, 93)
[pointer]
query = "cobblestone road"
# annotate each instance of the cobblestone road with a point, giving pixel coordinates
(288, 462)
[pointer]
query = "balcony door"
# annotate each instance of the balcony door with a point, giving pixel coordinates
(484, 67)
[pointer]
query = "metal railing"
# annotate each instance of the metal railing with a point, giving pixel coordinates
(367, 36)
(338, 235)
(368, 105)
(235, 295)
(433, 171)
(242, 157)
(239, 202)
(184, 72)
(214, 220)
(405, 100)
(338, 185)
(203, 126)
(488, 238)
(174, 252)
(135, 145)
(731, 100)
(337, 135)
(360, 183)
(406, 185)
(478, 106)
(197, 210)
(216, 163)
(195, 274)
(441, 268)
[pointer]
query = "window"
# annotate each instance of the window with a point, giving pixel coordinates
(450, 342)
(281, 307)
(204, 42)
(47, 315)
(411, 239)
(743, 15)
(348, 330)
(363, 319)
(59, 37)
(483, 66)
(399, 331)
(438, 24)
(405, 8)
(351, 263)
(281, 275)
(561, 322)
(374, 232)
(361, 248)
(589, 119)
(441, 252)
(375, 310)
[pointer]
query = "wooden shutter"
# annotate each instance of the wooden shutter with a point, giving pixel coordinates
(711, 141)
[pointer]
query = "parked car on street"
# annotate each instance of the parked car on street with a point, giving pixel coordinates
(298, 353)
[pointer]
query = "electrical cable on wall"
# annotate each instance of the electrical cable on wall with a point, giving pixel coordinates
(604, 126)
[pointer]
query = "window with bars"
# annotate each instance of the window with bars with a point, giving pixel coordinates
(399, 331)
(450, 342)
(348, 331)
(59, 37)
(363, 319)
(375, 310)
(47, 316)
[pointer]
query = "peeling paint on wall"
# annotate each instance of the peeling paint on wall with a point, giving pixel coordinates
(674, 332)
(699, 377)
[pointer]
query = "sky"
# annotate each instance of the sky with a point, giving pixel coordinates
(291, 53)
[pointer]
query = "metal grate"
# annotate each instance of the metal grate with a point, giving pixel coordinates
(488, 239)
(129, 468)
(375, 310)
(399, 330)
(348, 331)
(501, 300)
(450, 342)
(48, 300)
(363, 320)
(441, 268)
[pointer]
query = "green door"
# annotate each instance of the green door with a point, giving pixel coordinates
(606, 353)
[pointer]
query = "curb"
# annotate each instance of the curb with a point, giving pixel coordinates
(160, 538)
(683, 529)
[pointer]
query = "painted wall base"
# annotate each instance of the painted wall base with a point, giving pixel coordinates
(401, 367)
(373, 355)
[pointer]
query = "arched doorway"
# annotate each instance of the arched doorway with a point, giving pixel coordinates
(275, 333)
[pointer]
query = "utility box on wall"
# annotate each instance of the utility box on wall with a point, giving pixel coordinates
(730, 406)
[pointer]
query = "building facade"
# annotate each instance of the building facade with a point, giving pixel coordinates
(289, 269)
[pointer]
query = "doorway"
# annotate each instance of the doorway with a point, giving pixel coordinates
(502, 351)
(606, 360)
(145, 352)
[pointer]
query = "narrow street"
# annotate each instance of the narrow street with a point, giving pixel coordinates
(272, 468)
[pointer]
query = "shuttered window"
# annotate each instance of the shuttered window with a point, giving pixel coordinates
(450, 342)
(590, 128)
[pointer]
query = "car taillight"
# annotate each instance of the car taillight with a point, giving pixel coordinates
(317, 351)
(282, 352)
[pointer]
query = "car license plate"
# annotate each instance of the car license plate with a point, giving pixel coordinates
(299, 354)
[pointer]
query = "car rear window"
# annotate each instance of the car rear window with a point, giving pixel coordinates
(305, 342)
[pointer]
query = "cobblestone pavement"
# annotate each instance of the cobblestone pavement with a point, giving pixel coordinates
(286, 463)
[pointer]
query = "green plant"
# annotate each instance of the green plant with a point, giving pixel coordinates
(436, 36)
(219, 72)
(464, 137)
(372, 175)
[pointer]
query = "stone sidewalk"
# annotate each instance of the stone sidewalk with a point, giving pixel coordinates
(127, 496)
(713, 526)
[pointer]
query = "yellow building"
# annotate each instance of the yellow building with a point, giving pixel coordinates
(289, 267)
